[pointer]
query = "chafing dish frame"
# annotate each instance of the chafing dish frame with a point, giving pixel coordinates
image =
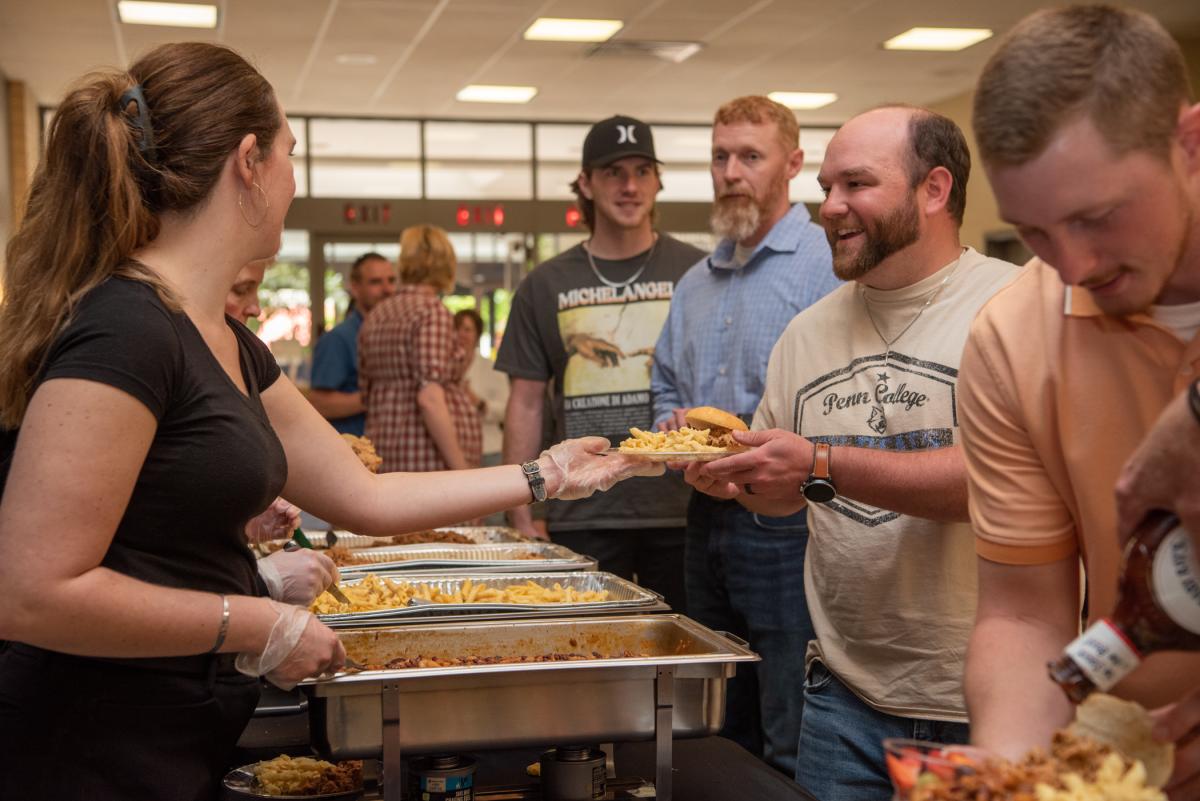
(697, 679)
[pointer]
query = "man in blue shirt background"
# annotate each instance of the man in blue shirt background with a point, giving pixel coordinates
(334, 390)
(745, 572)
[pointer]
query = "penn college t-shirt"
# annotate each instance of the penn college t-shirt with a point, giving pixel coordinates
(892, 596)
(595, 342)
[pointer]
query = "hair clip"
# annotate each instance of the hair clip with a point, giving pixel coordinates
(134, 95)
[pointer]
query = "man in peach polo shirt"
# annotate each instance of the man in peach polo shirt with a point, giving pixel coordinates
(1086, 130)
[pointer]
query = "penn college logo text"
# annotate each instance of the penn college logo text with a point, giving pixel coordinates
(625, 134)
(882, 397)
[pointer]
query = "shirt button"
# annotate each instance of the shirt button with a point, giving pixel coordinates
(721, 370)
(728, 321)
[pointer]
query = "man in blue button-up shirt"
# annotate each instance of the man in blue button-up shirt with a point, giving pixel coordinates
(745, 571)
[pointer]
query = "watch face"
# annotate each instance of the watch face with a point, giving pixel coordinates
(818, 490)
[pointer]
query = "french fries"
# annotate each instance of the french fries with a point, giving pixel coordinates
(375, 592)
(683, 440)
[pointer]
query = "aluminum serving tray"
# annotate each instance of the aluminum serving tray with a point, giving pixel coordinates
(622, 594)
(546, 556)
(455, 709)
(347, 539)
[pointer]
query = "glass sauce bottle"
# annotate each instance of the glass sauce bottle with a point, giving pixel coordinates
(1158, 609)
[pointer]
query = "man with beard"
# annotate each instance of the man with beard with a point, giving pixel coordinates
(582, 328)
(1080, 378)
(858, 424)
(728, 311)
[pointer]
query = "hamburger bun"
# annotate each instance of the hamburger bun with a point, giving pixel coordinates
(715, 420)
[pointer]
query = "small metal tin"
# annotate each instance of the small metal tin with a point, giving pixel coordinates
(573, 773)
(442, 777)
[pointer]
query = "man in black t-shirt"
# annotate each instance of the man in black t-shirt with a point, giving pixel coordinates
(582, 328)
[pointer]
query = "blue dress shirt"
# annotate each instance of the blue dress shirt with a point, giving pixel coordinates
(725, 318)
(335, 366)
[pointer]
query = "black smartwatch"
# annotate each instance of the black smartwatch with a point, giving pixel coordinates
(537, 484)
(818, 487)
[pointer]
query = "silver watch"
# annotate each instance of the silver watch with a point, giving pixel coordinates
(537, 484)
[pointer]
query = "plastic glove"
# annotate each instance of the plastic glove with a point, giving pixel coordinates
(279, 520)
(299, 646)
(583, 467)
(297, 577)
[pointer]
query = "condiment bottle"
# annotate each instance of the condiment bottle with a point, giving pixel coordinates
(1158, 609)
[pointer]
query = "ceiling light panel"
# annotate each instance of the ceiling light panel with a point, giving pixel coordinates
(488, 93)
(944, 39)
(561, 29)
(175, 15)
(803, 101)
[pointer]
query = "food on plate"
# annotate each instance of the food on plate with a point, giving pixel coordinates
(376, 592)
(365, 451)
(431, 535)
(1125, 727)
(1075, 768)
(683, 440)
(285, 775)
(707, 431)
(719, 424)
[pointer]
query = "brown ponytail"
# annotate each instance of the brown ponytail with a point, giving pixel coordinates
(102, 185)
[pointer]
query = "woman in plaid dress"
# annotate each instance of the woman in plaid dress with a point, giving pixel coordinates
(411, 366)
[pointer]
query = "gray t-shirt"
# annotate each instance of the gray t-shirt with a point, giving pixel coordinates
(596, 343)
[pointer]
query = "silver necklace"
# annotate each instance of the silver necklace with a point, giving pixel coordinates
(887, 344)
(619, 284)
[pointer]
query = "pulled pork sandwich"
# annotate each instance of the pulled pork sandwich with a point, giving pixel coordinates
(719, 424)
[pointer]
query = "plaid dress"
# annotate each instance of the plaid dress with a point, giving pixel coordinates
(406, 342)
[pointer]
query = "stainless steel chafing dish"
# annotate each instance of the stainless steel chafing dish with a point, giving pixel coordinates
(519, 556)
(674, 684)
(622, 594)
(481, 535)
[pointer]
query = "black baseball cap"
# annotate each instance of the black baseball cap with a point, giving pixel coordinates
(617, 138)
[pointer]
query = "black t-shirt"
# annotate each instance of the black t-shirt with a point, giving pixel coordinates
(214, 462)
(595, 342)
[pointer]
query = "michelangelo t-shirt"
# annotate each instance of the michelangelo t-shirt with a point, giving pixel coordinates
(892, 596)
(591, 332)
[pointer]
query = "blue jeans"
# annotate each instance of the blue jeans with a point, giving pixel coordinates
(745, 575)
(841, 741)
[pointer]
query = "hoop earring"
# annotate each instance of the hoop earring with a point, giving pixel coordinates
(266, 207)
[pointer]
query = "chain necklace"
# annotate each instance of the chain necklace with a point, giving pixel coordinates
(620, 284)
(932, 297)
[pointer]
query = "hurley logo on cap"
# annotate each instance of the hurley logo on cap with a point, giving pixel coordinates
(616, 138)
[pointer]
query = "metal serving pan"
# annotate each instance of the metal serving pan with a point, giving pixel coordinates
(347, 539)
(521, 556)
(622, 594)
(609, 698)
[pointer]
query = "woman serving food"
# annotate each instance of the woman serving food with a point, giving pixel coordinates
(142, 428)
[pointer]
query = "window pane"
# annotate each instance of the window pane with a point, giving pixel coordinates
(561, 143)
(554, 181)
(479, 180)
(682, 144)
(692, 183)
(365, 158)
(483, 141)
(804, 187)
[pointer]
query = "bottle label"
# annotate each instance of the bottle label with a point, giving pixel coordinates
(1176, 577)
(1103, 655)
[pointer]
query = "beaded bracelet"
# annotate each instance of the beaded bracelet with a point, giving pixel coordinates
(1194, 398)
(224, 629)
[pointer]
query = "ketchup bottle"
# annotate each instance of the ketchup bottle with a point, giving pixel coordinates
(1158, 609)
